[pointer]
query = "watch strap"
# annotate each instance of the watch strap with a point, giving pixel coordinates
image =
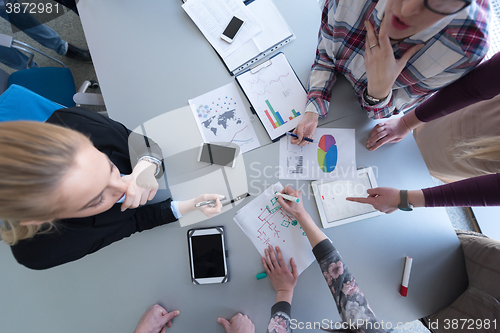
(404, 204)
(371, 100)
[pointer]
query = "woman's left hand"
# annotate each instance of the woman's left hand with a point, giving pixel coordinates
(384, 199)
(142, 185)
(382, 68)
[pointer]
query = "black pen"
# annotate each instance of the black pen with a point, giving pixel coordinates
(296, 137)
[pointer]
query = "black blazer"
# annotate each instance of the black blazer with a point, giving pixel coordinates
(75, 238)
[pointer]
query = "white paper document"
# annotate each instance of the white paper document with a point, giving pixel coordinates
(212, 17)
(276, 33)
(276, 94)
(265, 222)
(222, 117)
(332, 155)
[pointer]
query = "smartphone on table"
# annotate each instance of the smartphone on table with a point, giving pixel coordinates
(219, 153)
(232, 29)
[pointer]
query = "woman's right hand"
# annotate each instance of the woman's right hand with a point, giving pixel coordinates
(211, 209)
(305, 128)
(291, 207)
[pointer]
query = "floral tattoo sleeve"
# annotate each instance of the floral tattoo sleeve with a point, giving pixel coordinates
(279, 323)
(280, 318)
(351, 303)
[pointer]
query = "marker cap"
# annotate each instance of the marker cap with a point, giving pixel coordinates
(403, 291)
(261, 276)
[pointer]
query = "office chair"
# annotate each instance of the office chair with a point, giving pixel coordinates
(33, 107)
(480, 303)
(54, 83)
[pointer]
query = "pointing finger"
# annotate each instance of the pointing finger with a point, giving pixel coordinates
(360, 200)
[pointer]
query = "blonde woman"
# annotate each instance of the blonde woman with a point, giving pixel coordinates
(68, 187)
(458, 133)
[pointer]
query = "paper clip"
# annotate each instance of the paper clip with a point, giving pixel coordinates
(258, 67)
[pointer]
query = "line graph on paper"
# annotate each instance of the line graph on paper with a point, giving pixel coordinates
(276, 94)
(266, 223)
(261, 88)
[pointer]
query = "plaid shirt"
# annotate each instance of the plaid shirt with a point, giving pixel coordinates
(453, 46)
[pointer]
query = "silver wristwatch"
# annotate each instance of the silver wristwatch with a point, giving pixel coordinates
(154, 161)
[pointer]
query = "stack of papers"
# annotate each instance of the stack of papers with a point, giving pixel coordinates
(212, 17)
(264, 31)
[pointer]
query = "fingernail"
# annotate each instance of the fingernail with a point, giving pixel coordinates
(219, 320)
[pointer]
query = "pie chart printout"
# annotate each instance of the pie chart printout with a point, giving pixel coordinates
(327, 153)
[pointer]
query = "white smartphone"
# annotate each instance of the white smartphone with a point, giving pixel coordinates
(232, 29)
(207, 253)
(219, 153)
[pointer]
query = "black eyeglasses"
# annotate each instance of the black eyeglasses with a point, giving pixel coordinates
(446, 7)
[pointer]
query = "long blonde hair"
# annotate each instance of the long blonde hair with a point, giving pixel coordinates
(34, 158)
(485, 148)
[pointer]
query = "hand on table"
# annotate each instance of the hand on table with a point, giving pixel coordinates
(384, 199)
(238, 324)
(389, 131)
(155, 320)
(306, 127)
(382, 68)
(281, 277)
(142, 185)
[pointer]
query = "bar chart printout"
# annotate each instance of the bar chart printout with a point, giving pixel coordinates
(276, 119)
(276, 95)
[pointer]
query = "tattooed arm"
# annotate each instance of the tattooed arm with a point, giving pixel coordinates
(280, 318)
(351, 303)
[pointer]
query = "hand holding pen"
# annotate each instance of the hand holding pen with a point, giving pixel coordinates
(297, 137)
(209, 202)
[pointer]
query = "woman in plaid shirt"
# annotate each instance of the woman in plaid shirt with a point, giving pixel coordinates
(421, 46)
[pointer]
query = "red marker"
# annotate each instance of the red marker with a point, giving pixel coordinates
(406, 277)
